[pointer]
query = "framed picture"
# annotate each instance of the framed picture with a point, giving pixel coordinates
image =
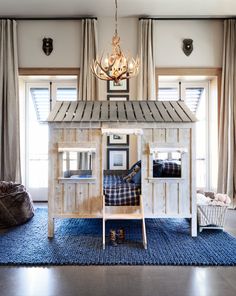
(117, 158)
(122, 86)
(118, 97)
(117, 140)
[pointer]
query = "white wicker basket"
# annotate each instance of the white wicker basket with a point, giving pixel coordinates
(211, 215)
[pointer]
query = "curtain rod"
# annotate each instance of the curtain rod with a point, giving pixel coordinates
(186, 18)
(93, 17)
(48, 18)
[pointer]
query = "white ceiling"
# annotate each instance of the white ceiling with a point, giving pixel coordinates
(157, 8)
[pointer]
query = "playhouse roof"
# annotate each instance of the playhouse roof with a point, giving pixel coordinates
(121, 111)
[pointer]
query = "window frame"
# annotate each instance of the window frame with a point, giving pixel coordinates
(26, 83)
(211, 73)
(28, 86)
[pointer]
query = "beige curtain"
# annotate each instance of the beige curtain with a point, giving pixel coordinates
(146, 78)
(227, 115)
(9, 103)
(88, 84)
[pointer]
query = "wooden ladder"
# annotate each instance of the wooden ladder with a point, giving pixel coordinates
(131, 216)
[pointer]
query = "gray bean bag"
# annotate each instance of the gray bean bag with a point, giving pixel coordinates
(16, 205)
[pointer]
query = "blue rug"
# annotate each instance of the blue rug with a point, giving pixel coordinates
(79, 241)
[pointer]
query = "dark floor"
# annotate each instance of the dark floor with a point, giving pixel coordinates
(121, 280)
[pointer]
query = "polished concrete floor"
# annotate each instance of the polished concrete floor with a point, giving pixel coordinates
(121, 280)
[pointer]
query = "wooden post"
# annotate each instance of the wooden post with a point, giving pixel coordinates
(51, 178)
(102, 150)
(143, 223)
(193, 183)
(103, 223)
(50, 227)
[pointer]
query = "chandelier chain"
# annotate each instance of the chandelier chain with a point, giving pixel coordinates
(116, 21)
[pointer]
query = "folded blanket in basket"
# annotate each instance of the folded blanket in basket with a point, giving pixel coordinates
(218, 199)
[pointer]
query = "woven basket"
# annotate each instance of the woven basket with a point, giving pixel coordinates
(211, 215)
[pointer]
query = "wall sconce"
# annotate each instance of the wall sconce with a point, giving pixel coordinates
(47, 45)
(187, 46)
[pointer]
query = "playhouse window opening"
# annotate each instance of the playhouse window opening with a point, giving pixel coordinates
(122, 171)
(77, 164)
(167, 165)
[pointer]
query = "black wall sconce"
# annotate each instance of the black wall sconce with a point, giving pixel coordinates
(47, 45)
(187, 46)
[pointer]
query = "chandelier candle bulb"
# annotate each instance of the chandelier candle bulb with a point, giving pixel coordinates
(131, 66)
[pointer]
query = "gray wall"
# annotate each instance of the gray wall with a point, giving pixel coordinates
(207, 38)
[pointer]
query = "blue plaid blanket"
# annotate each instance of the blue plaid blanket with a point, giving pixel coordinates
(165, 168)
(171, 169)
(118, 192)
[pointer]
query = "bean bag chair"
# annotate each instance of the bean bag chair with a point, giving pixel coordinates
(16, 205)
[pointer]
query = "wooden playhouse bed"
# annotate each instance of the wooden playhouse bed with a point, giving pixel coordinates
(81, 128)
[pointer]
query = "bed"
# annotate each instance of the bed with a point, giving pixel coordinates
(124, 188)
(165, 127)
(119, 192)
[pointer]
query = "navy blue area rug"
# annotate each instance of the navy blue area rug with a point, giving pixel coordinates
(79, 242)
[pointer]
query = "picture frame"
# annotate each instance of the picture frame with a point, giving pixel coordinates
(122, 86)
(118, 140)
(118, 97)
(117, 158)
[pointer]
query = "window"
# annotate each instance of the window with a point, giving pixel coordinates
(41, 102)
(193, 97)
(181, 91)
(168, 92)
(43, 96)
(36, 153)
(166, 162)
(66, 94)
(66, 91)
(77, 160)
(197, 97)
(38, 97)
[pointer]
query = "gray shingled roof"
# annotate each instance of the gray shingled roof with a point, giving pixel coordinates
(121, 111)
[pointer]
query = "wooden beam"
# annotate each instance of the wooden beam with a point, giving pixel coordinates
(48, 71)
(189, 71)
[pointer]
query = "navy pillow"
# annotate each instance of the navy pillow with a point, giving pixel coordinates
(137, 178)
(129, 177)
(138, 163)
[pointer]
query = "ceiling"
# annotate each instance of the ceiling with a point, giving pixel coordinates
(126, 8)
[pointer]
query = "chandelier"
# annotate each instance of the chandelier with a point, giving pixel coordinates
(115, 66)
